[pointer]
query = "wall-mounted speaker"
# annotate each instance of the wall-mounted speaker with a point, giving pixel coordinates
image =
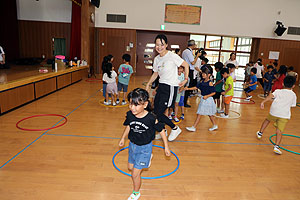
(280, 29)
(96, 3)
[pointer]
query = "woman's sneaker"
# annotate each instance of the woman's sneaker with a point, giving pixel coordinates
(174, 134)
(134, 196)
(276, 150)
(258, 134)
(192, 129)
(215, 127)
(176, 119)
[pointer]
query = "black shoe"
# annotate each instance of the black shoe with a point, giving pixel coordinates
(187, 105)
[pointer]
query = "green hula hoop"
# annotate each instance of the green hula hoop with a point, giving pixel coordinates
(283, 147)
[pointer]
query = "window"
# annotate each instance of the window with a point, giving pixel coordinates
(242, 58)
(244, 44)
(228, 43)
(224, 56)
(212, 56)
(213, 42)
(199, 39)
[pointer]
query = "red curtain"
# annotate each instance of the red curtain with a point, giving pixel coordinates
(75, 43)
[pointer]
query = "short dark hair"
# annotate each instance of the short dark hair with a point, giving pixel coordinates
(126, 57)
(282, 69)
(230, 66)
(139, 96)
(291, 68)
(177, 51)
(270, 67)
(205, 60)
(219, 65)
(254, 70)
(162, 38)
(207, 69)
(224, 70)
(259, 60)
(289, 81)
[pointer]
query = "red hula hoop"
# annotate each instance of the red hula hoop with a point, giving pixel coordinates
(44, 129)
(249, 102)
(94, 80)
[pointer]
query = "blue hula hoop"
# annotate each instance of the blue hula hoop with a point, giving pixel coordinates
(156, 177)
(283, 147)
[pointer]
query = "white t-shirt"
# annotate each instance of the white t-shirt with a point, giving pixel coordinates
(110, 80)
(1, 52)
(260, 69)
(167, 68)
(284, 100)
(235, 62)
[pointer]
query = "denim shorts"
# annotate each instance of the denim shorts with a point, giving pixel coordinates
(139, 156)
(122, 86)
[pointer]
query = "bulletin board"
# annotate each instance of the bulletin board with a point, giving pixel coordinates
(182, 14)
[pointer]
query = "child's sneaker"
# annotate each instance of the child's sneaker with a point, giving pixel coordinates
(258, 134)
(118, 101)
(174, 134)
(134, 196)
(106, 103)
(215, 127)
(158, 136)
(247, 99)
(124, 102)
(172, 114)
(182, 116)
(192, 129)
(170, 117)
(223, 115)
(114, 104)
(220, 110)
(176, 119)
(276, 150)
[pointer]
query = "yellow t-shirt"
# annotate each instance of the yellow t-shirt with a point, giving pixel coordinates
(229, 81)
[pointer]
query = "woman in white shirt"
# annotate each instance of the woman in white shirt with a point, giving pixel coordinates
(165, 66)
(260, 71)
(232, 60)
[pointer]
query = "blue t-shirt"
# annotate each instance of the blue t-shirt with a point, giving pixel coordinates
(253, 79)
(125, 72)
(205, 88)
(269, 76)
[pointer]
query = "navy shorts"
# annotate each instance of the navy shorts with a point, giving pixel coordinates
(122, 86)
(248, 90)
(217, 95)
(139, 156)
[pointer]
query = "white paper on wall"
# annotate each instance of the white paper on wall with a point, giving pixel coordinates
(274, 55)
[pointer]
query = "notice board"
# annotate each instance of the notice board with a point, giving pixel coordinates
(182, 14)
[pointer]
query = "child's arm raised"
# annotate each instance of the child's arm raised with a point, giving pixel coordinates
(125, 134)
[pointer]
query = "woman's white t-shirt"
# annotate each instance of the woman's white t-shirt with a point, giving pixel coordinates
(235, 62)
(167, 68)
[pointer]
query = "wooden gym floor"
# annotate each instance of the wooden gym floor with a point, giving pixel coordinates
(73, 162)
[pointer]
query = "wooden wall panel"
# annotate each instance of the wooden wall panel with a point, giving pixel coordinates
(289, 52)
(36, 37)
(106, 36)
(63, 80)
(45, 87)
(10, 99)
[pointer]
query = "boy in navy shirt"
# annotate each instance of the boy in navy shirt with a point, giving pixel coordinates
(252, 85)
(268, 78)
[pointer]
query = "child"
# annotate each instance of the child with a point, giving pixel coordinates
(107, 59)
(280, 111)
(109, 77)
(140, 129)
(228, 93)
(180, 96)
(290, 72)
(218, 85)
(278, 83)
(268, 79)
(252, 84)
(260, 71)
(247, 73)
(231, 68)
(125, 70)
(207, 105)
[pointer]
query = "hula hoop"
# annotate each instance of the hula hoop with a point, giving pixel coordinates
(156, 177)
(145, 83)
(283, 147)
(298, 104)
(101, 102)
(238, 90)
(249, 102)
(178, 122)
(239, 115)
(94, 80)
(44, 129)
